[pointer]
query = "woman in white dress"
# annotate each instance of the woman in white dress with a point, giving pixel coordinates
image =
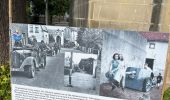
(122, 71)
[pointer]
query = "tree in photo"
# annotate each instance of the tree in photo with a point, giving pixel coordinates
(80, 37)
(92, 38)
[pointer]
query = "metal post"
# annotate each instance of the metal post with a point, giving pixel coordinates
(71, 61)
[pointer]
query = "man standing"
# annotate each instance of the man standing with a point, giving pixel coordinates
(56, 48)
(43, 48)
(18, 38)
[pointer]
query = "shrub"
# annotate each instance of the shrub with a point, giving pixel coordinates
(5, 88)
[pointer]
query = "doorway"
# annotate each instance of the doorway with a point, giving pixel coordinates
(58, 40)
(150, 62)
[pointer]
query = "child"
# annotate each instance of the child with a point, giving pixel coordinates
(159, 79)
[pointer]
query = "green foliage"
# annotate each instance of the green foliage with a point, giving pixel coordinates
(166, 95)
(38, 7)
(5, 88)
(56, 7)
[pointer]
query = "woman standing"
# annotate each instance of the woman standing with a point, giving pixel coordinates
(123, 72)
(115, 70)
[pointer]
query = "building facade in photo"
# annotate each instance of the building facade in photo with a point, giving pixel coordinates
(157, 48)
(40, 32)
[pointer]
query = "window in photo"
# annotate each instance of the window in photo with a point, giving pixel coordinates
(31, 29)
(152, 45)
(36, 29)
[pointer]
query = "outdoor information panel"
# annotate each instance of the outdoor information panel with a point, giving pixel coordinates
(73, 63)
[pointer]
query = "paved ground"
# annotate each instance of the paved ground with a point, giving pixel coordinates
(129, 94)
(81, 82)
(50, 77)
(155, 94)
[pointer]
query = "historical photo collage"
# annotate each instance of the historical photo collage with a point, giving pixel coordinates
(104, 62)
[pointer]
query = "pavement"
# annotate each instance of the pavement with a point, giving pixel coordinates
(129, 94)
(81, 83)
(81, 80)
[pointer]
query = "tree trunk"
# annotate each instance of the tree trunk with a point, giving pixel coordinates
(19, 14)
(46, 12)
(4, 31)
(71, 14)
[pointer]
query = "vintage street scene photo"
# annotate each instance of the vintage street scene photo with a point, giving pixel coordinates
(82, 61)
(36, 55)
(111, 63)
(63, 58)
(133, 64)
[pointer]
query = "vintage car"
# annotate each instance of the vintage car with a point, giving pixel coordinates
(86, 65)
(27, 59)
(138, 79)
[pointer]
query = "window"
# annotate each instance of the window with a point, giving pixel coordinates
(36, 29)
(152, 45)
(31, 29)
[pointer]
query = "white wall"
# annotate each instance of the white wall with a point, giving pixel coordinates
(55, 34)
(159, 54)
(41, 35)
(130, 44)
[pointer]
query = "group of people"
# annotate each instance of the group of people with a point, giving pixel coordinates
(159, 79)
(57, 48)
(117, 71)
(43, 47)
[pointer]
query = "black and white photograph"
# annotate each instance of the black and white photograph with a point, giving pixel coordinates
(82, 61)
(56, 57)
(133, 64)
(111, 63)
(36, 55)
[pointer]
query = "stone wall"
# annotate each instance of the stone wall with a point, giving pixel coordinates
(123, 14)
(165, 17)
(115, 14)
